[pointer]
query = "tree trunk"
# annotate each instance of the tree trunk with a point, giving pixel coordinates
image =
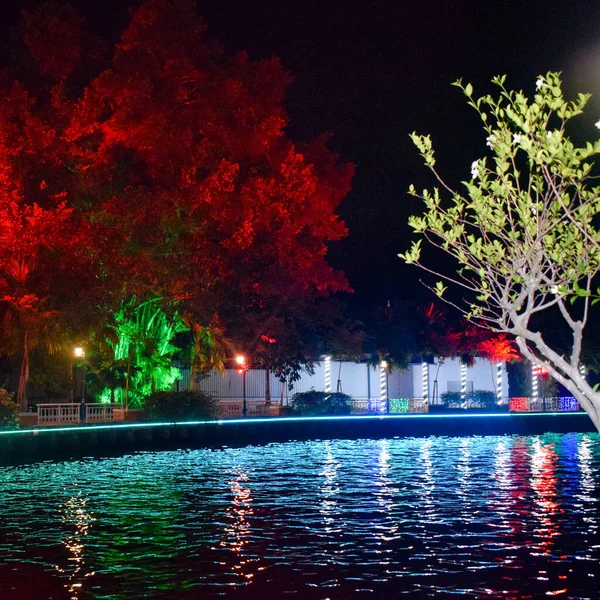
(127, 384)
(71, 382)
(338, 386)
(568, 375)
(267, 385)
(192, 375)
(24, 377)
(283, 386)
(492, 365)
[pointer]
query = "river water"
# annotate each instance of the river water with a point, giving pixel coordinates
(487, 517)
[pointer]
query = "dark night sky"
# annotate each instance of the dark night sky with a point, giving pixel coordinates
(371, 71)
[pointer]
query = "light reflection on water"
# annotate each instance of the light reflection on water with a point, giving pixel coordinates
(497, 517)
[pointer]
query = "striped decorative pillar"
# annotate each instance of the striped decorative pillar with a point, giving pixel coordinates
(383, 385)
(425, 378)
(534, 382)
(328, 373)
(499, 390)
(463, 381)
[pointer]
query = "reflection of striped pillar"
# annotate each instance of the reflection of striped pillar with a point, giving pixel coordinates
(463, 381)
(328, 373)
(383, 381)
(499, 382)
(534, 382)
(425, 376)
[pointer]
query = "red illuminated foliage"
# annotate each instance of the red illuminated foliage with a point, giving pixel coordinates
(166, 172)
(466, 341)
(499, 349)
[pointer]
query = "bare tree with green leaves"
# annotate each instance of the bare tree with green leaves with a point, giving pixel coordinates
(524, 230)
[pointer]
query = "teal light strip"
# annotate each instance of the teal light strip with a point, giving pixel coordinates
(250, 420)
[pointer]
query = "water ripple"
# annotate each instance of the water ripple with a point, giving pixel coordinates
(494, 517)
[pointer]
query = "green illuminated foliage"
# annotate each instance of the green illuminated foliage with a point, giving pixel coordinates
(9, 411)
(315, 403)
(135, 358)
(523, 229)
(180, 406)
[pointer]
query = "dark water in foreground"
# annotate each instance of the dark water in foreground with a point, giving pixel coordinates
(492, 517)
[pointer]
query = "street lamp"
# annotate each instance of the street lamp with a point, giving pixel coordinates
(80, 354)
(243, 367)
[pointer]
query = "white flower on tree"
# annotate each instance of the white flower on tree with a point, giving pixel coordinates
(539, 84)
(475, 169)
(598, 124)
(517, 138)
(491, 140)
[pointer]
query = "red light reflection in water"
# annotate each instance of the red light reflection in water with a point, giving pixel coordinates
(239, 528)
(543, 483)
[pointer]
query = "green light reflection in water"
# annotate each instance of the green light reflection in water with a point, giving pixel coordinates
(437, 514)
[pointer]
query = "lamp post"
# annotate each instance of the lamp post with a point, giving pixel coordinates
(80, 354)
(243, 367)
(80, 379)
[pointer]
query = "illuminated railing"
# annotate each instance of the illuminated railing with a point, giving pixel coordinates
(400, 406)
(562, 404)
(396, 406)
(234, 409)
(102, 413)
(65, 413)
(58, 414)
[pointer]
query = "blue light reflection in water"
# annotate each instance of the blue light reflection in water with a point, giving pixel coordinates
(496, 517)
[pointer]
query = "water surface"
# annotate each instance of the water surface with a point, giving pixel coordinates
(492, 517)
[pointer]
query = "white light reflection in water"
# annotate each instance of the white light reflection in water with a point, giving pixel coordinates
(501, 474)
(464, 480)
(386, 529)
(426, 484)
(588, 485)
(238, 530)
(75, 514)
(330, 490)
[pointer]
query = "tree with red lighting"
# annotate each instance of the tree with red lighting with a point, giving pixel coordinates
(171, 166)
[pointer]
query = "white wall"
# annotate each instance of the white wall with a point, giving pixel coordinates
(479, 377)
(357, 380)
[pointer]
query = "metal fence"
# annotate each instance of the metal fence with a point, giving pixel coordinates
(562, 404)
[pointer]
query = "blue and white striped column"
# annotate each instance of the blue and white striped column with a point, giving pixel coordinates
(499, 373)
(463, 381)
(328, 373)
(425, 380)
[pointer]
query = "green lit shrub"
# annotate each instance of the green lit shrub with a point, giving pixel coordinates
(452, 399)
(321, 403)
(475, 399)
(483, 399)
(9, 411)
(180, 406)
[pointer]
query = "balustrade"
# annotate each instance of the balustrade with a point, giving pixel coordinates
(68, 413)
(562, 404)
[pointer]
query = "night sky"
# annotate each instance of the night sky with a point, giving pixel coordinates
(373, 71)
